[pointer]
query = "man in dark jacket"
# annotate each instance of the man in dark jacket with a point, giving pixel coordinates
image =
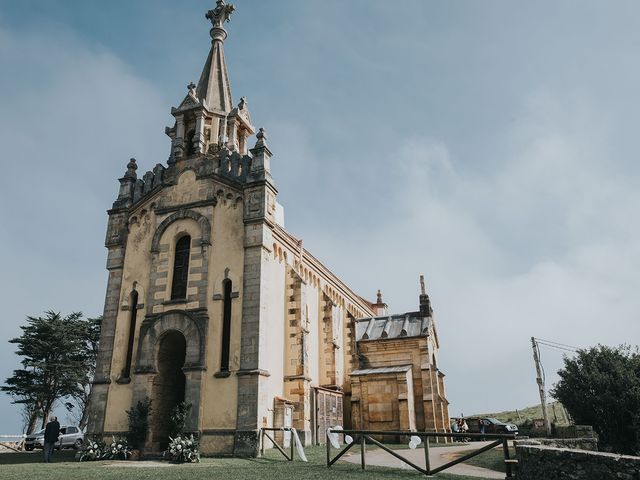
(51, 434)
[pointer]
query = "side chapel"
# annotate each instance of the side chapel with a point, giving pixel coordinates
(211, 301)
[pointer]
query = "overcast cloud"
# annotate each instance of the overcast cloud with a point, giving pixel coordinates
(491, 146)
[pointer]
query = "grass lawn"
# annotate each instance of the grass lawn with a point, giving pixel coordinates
(22, 466)
(492, 459)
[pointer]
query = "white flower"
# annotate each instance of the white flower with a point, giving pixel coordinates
(119, 445)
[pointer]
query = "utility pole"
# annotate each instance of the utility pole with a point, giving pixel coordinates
(543, 396)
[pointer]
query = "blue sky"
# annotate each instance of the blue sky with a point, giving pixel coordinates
(488, 145)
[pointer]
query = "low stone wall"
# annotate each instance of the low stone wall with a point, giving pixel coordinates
(590, 444)
(574, 431)
(537, 462)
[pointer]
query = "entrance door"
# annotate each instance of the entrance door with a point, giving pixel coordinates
(328, 412)
(168, 387)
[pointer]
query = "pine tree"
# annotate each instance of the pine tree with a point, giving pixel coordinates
(57, 362)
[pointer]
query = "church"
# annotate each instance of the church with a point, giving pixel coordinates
(212, 302)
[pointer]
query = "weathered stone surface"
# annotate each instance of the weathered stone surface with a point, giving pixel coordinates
(549, 463)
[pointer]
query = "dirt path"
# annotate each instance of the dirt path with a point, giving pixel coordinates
(437, 456)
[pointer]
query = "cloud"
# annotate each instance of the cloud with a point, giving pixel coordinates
(72, 116)
(540, 244)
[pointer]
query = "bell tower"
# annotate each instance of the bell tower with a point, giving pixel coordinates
(206, 120)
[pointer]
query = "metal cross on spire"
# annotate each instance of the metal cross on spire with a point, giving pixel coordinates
(220, 14)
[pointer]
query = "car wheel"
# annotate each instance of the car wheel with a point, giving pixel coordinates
(78, 444)
(28, 449)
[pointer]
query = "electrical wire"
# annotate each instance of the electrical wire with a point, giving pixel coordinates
(564, 350)
(557, 344)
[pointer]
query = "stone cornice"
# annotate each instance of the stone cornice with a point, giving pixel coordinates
(327, 275)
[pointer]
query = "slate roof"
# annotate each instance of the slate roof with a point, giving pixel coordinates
(369, 371)
(411, 324)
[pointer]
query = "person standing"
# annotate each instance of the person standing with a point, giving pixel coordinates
(51, 434)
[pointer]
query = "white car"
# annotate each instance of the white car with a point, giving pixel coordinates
(70, 437)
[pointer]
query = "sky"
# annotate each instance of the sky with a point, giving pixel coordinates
(491, 146)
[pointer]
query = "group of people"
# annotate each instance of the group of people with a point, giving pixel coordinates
(460, 426)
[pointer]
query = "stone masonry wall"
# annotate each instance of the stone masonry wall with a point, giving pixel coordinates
(549, 463)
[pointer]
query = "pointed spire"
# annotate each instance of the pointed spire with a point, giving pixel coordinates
(425, 302)
(262, 139)
(213, 87)
(261, 163)
(380, 307)
(131, 169)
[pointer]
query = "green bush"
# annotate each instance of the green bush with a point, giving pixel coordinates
(178, 418)
(139, 423)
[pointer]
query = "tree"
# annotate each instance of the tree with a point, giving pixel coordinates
(90, 334)
(56, 363)
(601, 387)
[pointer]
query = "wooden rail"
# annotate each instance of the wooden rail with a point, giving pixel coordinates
(364, 436)
(263, 433)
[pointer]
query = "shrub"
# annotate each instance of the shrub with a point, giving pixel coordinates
(178, 418)
(139, 423)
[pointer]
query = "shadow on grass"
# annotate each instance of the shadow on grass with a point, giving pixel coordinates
(36, 456)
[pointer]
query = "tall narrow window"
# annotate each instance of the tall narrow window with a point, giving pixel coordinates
(133, 305)
(226, 325)
(181, 268)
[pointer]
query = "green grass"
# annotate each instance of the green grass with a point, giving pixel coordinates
(24, 466)
(556, 414)
(492, 459)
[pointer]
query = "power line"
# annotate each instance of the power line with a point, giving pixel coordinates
(558, 344)
(561, 349)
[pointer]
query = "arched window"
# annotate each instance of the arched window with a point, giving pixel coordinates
(226, 325)
(191, 147)
(133, 305)
(181, 268)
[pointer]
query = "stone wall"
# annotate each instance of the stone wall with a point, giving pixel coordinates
(549, 463)
(590, 444)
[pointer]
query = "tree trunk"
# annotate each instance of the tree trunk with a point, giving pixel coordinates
(85, 411)
(32, 420)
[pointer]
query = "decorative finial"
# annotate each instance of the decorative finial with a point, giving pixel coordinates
(218, 16)
(131, 169)
(262, 138)
(192, 88)
(380, 302)
(243, 103)
(423, 291)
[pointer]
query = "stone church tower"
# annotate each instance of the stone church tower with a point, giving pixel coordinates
(212, 302)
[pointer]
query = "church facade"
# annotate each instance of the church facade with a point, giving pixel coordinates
(212, 302)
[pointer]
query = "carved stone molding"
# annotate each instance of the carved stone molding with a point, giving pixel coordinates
(205, 227)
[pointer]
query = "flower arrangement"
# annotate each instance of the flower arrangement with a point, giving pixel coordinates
(182, 449)
(119, 449)
(94, 449)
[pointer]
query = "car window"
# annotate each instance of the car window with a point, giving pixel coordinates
(72, 430)
(63, 431)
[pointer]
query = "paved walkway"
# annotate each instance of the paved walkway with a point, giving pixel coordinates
(437, 456)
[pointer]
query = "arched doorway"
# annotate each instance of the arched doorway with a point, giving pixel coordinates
(168, 386)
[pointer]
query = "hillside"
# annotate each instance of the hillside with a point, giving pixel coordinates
(557, 414)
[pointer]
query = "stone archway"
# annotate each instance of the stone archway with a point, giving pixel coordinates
(168, 386)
